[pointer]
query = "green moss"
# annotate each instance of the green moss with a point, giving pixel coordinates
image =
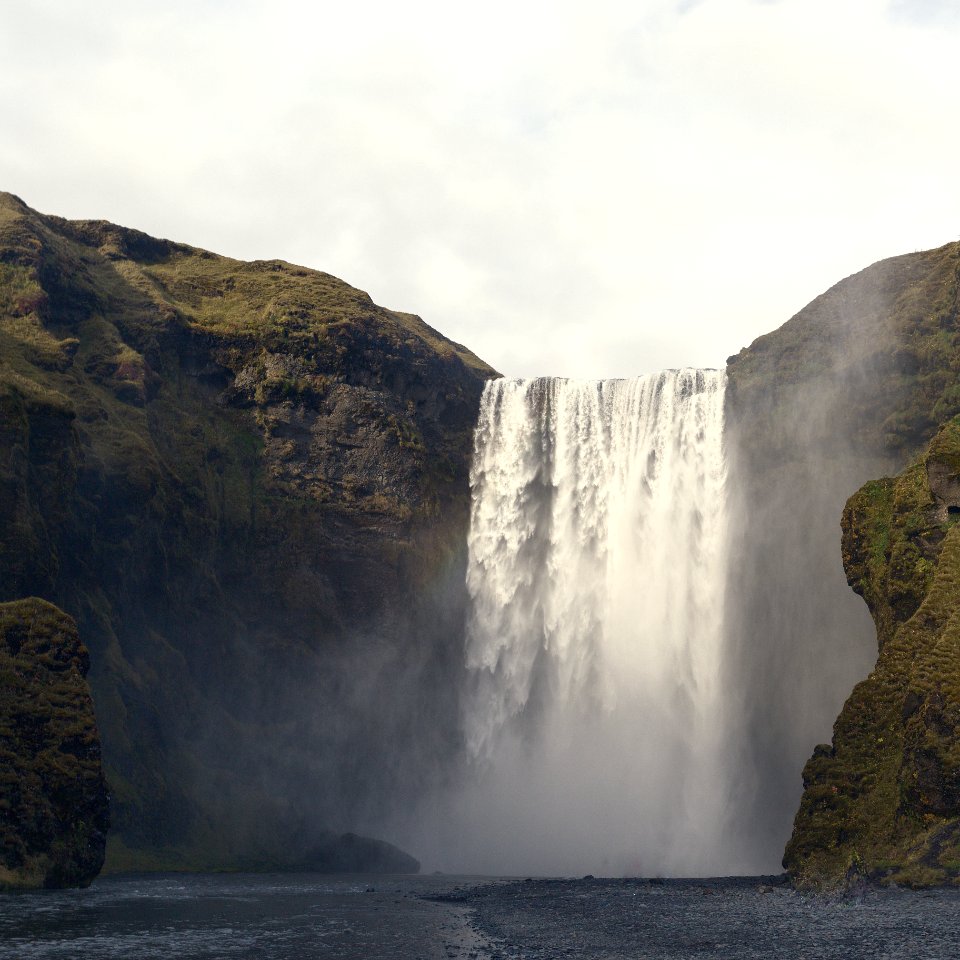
(225, 472)
(406, 432)
(53, 799)
(888, 789)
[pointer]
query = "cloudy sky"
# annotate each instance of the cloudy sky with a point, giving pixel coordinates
(578, 189)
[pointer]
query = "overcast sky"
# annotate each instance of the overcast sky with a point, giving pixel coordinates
(577, 189)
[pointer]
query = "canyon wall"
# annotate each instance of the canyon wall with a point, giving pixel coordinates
(850, 389)
(248, 484)
(882, 801)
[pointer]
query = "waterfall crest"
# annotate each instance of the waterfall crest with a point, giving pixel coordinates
(594, 714)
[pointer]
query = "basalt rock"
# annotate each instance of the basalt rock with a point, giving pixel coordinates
(248, 484)
(54, 808)
(350, 853)
(853, 387)
(883, 800)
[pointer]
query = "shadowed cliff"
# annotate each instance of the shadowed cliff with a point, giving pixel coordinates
(53, 798)
(248, 485)
(853, 387)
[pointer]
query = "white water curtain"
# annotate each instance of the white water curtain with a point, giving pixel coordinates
(597, 564)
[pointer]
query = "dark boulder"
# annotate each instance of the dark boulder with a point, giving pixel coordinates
(54, 807)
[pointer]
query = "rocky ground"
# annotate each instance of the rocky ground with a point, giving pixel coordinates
(247, 916)
(732, 918)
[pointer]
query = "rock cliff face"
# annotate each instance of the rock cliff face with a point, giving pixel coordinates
(853, 387)
(883, 801)
(53, 798)
(248, 485)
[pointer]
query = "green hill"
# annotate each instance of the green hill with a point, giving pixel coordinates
(248, 484)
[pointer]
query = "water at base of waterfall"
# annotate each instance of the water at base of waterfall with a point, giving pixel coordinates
(284, 917)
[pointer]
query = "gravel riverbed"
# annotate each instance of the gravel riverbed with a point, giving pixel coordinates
(305, 917)
(736, 918)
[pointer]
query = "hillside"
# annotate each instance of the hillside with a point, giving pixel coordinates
(852, 388)
(247, 483)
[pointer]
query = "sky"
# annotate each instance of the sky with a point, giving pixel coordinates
(572, 189)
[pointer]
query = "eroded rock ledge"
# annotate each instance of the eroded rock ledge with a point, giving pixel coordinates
(248, 483)
(882, 802)
(54, 808)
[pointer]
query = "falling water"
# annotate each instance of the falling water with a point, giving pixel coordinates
(594, 716)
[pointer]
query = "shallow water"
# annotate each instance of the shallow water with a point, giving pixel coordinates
(284, 917)
(281, 917)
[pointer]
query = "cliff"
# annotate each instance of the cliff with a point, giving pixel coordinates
(248, 484)
(851, 388)
(883, 800)
(53, 798)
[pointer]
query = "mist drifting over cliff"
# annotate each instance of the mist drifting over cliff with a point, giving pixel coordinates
(658, 632)
(593, 709)
(840, 394)
(612, 654)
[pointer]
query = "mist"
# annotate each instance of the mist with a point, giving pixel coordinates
(592, 719)
(815, 410)
(624, 666)
(650, 660)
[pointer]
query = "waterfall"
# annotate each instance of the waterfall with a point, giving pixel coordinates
(594, 714)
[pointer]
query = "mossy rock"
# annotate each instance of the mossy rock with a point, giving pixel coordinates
(54, 808)
(248, 483)
(883, 800)
(853, 387)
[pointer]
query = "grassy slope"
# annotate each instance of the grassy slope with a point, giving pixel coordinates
(225, 471)
(888, 336)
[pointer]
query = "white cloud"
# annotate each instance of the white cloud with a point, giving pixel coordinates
(566, 191)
